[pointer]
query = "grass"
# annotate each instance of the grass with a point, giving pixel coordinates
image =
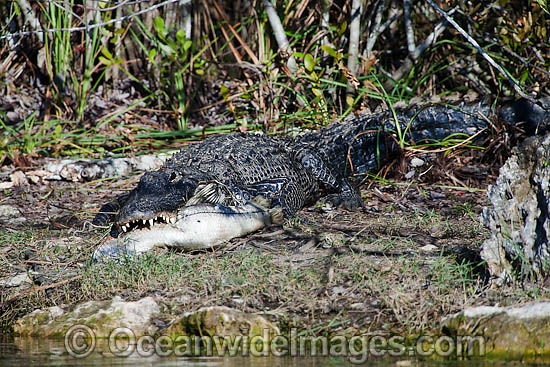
(175, 74)
(171, 80)
(330, 287)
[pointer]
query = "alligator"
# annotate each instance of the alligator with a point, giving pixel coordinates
(293, 172)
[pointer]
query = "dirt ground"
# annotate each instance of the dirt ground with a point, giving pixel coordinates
(408, 259)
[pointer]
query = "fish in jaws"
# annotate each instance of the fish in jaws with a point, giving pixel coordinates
(197, 227)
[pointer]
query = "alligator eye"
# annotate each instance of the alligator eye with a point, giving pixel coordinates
(173, 176)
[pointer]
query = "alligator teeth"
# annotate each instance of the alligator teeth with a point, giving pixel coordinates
(123, 228)
(150, 222)
(172, 220)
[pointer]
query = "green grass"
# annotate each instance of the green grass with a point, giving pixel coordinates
(175, 71)
(317, 290)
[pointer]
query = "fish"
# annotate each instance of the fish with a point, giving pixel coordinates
(195, 227)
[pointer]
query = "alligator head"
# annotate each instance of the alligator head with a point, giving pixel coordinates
(156, 199)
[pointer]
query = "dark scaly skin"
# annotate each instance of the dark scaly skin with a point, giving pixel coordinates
(293, 173)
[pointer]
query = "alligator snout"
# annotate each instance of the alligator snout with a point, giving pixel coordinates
(155, 200)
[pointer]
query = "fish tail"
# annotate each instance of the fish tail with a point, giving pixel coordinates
(261, 201)
(276, 214)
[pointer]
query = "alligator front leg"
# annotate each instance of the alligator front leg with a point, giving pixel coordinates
(279, 191)
(342, 193)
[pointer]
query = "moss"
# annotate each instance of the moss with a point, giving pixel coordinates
(506, 336)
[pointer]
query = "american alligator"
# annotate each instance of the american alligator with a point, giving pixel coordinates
(291, 173)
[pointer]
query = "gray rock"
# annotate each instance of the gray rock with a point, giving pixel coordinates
(221, 320)
(16, 280)
(417, 162)
(101, 316)
(518, 214)
(518, 332)
(8, 211)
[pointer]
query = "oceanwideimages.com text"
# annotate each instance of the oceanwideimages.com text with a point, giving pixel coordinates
(80, 342)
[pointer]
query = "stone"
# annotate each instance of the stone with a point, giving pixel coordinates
(101, 316)
(516, 332)
(417, 162)
(518, 215)
(9, 211)
(16, 280)
(222, 321)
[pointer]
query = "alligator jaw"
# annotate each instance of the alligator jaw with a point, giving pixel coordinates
(161, 218)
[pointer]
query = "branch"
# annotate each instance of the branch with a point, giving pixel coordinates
(408, 28)
(408, 63)
(280, 34)
(28, 13)
(354, 33)
(187, 15)
(430, 40)
(325, 20)
(489, 59)
(380, 27)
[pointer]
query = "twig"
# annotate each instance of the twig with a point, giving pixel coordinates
(30, 17)
(375, 30)
(187, 14)
(519, 58)
(407, 64)
(280, 35)
(354, 33)
(38, 289)
(408, 28)
(247, 49)
(97, 25)
(489, 59)
(379, 27)
(325, 17)
(67, 9)
(430, 40)
(106, 9)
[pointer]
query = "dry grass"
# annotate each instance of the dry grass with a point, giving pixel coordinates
(396, 268)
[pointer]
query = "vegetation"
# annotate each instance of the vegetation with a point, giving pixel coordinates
(94, 78)
(351, 273)
(85, 76)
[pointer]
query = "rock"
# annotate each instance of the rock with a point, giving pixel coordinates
(16, 280)
(8, 211)
(410, 174)
(429, 248)
(101, 316)
(88, 170)
(222, 321)
(19, 179)
(518, 214)
(518, 332)
(6, 185)
(417, 162)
